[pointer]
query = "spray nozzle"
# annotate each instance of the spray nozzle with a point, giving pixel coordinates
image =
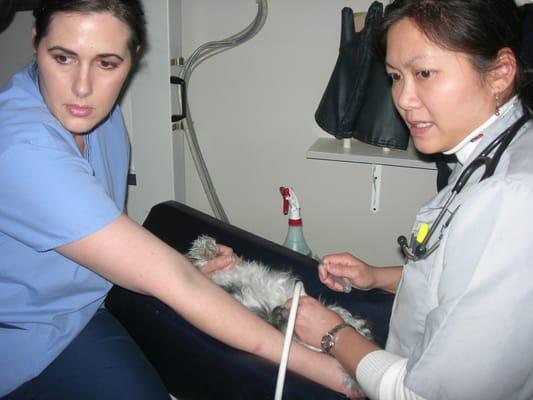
(285, 193)
(295, 238)
(291, 205)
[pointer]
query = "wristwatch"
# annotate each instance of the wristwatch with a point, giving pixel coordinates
(328, 340)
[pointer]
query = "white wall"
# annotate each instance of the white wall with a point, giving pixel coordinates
(15, 45)
(157, 153)
(253, 109)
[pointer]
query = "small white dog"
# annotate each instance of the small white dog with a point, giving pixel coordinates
(263, 290)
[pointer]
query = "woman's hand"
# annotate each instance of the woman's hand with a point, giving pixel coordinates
(359, 273)
(313, 320)
(225, 259)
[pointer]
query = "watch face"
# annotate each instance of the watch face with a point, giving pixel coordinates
(327, 343)
(328, 340)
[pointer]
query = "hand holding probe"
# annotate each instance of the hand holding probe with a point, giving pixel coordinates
(341, 280)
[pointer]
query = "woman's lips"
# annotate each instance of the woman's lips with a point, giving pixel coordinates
(419, 128)
(79, 111)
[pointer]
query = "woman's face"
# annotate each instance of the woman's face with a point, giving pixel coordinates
(83, 63)
(438, 93)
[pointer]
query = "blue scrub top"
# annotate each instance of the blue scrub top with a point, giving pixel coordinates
(50, 195)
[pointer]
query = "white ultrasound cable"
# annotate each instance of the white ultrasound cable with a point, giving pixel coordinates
(288, 340)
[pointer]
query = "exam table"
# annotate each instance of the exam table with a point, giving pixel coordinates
(194, 366)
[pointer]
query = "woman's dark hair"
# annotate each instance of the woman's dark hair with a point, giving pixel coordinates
(479, 28)
(130, 12)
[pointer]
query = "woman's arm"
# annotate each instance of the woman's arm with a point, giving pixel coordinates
(380, 373)
(387, 278)
(127, 254)
(360, 274)
(314, 320)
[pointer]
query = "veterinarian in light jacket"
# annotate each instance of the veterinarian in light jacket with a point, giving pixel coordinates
(460, 327)
(64, 237)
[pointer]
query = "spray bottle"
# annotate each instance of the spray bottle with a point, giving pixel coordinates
(295, 236)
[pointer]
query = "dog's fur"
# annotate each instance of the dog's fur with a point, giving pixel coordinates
(263, 290)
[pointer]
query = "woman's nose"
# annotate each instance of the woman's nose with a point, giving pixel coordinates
(82, 85)
(405, 96)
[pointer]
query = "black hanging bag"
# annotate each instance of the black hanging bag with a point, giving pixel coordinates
(357, 101)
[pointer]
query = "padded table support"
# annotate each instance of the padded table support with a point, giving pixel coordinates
(195, 366)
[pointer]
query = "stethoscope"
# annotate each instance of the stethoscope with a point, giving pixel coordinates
(417, 249)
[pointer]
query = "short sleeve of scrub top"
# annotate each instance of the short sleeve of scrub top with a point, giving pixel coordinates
(49, 194)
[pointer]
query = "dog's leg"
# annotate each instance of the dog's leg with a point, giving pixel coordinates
(359, 324)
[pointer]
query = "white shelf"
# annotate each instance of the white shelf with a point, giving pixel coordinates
(358, 152)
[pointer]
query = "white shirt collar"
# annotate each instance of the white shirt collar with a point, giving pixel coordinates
(463, 150)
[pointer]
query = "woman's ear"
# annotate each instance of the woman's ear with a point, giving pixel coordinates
(503, 74)
(33, 34)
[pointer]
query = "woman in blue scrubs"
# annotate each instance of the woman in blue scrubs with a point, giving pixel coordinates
(460, 328)
(64, 236)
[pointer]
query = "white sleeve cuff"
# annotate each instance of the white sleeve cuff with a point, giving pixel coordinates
(381, 375)
(371, 369)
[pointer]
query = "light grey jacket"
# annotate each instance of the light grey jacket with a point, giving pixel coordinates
(463, 316)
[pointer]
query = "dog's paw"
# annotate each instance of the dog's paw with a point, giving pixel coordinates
(202, 250)
(353, 387)
(279, 317)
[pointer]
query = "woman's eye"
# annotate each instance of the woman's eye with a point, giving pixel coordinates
(62, 59)
(394, 77)
(424, 74)
(108, 64)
